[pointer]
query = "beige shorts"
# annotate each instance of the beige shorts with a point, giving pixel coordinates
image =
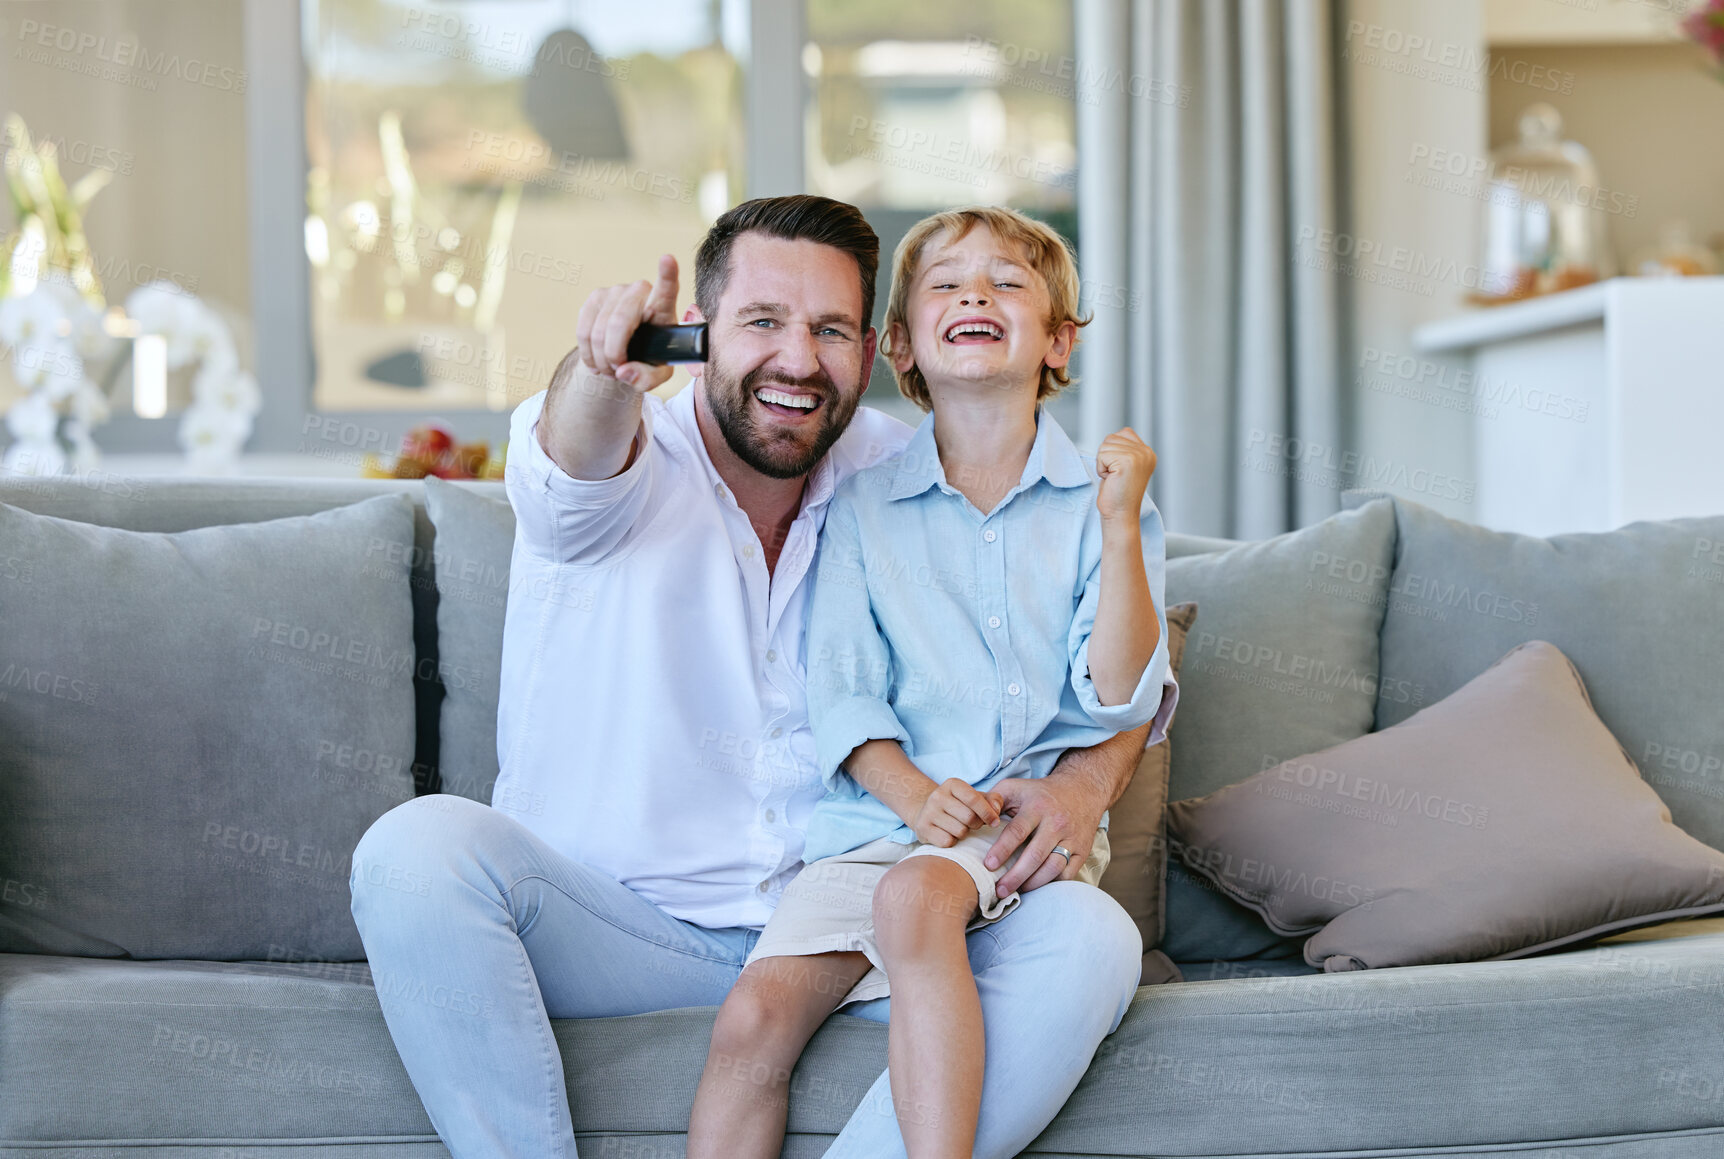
(830, 904)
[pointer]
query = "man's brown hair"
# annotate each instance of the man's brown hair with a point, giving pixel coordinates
(801, 217)
(1040, 245)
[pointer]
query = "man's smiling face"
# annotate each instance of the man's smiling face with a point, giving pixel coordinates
(791, 352)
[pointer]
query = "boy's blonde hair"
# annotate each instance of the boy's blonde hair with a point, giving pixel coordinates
(1043, 248)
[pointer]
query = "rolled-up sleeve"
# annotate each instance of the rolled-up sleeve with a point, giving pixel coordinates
(567, 520)
(1157, 692)
(849, 664)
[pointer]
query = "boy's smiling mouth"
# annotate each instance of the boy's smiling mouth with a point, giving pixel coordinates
(969, 331)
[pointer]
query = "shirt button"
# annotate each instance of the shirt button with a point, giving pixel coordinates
(993, 621)
(748, 550)
(771, 655)
(989, 535)
(771, 816)
(777, 732)
(1013, 689)
(764, 886)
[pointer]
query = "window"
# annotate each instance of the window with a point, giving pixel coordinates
(401, 220)
(475, 169)
(917, 107)
(154, 97)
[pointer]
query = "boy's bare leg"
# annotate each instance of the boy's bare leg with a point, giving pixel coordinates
(766, 1020)
(935, 1043)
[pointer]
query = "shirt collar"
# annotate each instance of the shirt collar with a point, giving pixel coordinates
(1052, 457)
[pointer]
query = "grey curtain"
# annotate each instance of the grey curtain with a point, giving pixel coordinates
(1228, 344)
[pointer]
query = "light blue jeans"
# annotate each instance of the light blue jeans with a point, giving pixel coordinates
(479, 934)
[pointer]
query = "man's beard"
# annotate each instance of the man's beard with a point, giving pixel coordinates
(780, 455)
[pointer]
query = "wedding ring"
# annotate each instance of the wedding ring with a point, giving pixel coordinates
(1064, 852)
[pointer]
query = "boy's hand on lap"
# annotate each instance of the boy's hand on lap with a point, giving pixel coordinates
(952, 810)
(1125, 463)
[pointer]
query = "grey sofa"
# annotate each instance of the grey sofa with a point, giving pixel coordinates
(1615, 1051)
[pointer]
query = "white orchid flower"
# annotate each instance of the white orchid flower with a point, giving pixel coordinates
(211, 430)
(33, 419)
(233, 390)
(89, 406)
(48, 364)
(191, 329)
(86, 456)
(80, 317)
(33, 458)
(36, 317)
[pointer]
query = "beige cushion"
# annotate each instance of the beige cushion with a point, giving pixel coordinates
(1502, 821)
(1137, 824)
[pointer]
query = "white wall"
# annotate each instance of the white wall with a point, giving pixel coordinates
(1417, 87)
(1425, 102)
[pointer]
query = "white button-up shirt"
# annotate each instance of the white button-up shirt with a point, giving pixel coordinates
(653, 717)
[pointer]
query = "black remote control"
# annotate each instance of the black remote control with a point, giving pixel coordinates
(657, 345)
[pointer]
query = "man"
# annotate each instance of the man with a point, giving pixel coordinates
(657, 761)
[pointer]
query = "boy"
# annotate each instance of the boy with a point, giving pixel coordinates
(982, 604)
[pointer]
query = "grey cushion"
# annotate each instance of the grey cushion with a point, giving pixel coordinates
(1285, 658)
(176, 504)
(1180, 545)
(1502, 821)
(1282, 662)
(475, 536)
(1137, 826)
(1639, 610)
(197, 727)
(1479, 1056)
(1207, 930)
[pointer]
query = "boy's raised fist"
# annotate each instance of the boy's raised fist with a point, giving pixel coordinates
(1125, 463)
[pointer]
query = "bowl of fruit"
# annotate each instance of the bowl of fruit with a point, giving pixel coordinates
(432, 449)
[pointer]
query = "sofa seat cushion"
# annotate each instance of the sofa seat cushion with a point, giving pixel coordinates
(117, 1052)
(1616, 1042)
(178, 1050)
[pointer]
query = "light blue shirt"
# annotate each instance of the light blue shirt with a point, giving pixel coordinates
(964, 636)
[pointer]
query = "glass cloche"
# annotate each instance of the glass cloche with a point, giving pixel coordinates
(1544, 227)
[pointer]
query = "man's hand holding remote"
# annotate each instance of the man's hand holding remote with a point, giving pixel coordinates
(592, 410)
